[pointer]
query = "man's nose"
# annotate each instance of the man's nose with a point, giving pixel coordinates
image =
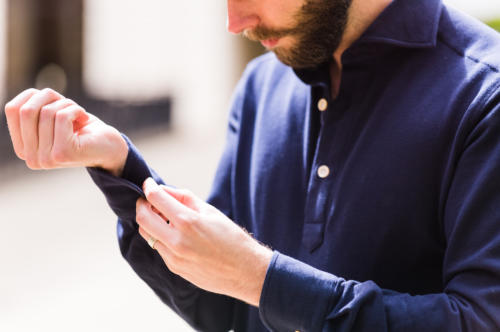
(240, 17)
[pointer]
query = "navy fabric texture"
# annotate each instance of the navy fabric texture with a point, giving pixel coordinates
(404, 232)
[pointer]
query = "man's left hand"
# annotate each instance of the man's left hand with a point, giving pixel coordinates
(202, 245)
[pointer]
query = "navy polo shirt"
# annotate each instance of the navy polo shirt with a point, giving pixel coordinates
(382, 204)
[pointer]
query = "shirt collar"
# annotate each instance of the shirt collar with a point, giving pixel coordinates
(404, 23)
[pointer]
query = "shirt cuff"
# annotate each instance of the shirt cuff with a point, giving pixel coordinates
(296, 296)
(122, 192)
(135, 171)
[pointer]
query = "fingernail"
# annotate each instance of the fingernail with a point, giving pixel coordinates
(149, 182)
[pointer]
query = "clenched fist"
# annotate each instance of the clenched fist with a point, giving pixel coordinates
(50, 131)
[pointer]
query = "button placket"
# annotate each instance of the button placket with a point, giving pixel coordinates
(319, 186)
(324, 167)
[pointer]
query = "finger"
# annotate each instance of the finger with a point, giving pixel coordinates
(173, 261)
(29, 114)
(46, 131)
(155, 210)
(148, 237)
(167, 204)
(65, 148)
(184, 196)
(152, 223)
(14, 121)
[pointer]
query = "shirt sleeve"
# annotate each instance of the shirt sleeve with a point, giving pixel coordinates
(299, 297)
(201, 309)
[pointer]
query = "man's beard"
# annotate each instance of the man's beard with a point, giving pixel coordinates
(317, 33)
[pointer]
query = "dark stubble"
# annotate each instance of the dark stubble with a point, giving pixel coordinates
(317, 33)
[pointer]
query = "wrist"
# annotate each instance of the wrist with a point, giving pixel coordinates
(253, 273)
(117, 158)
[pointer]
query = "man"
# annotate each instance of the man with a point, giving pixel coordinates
(364, 150)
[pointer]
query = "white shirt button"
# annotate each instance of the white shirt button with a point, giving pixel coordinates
(323, 171)
(322, 104)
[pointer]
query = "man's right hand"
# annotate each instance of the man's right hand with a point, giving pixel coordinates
(50, 131)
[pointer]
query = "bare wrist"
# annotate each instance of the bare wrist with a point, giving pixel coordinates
(116, 164)
(254, 273)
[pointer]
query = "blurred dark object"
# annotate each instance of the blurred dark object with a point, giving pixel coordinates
(45, 49)
(43, 35)
(495, 24)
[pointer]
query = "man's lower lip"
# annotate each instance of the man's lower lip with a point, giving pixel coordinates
(269, 42)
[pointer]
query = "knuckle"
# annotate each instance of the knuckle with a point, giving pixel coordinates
(76, 108)
(49, 92)
(30, 90)
(138, 203)
(178, 245)
(192, 218)
(140, 214)
(61, 116)
(46, 113)
(26, 112)
(153, 194)
(9, 108)
(187, 221)
(46, 109)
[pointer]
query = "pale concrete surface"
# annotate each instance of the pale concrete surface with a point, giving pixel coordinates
(60, 266)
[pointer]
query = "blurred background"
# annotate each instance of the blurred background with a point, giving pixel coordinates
(162, 72)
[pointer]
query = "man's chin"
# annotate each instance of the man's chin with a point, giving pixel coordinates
(290, 61)
(298, 60)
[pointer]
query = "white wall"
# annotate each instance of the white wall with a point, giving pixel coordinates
(482, 9)
(136, 49)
